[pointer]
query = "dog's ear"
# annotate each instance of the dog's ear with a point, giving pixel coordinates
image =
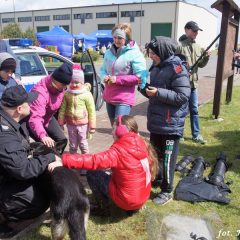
(38, 148)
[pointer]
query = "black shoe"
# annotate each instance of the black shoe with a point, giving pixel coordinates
(6, 231)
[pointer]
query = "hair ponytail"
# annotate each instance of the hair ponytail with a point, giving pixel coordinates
(152, 159)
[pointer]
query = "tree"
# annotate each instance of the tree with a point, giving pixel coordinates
(29, 33)
(12, 30)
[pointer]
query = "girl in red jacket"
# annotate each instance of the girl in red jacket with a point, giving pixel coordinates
(132, 163)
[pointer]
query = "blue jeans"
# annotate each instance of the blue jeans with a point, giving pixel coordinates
(193, 109)
(115, 110)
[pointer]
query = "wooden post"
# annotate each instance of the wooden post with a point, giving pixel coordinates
(227, 43)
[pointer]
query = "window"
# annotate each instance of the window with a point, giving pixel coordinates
(106, 26)
(61, 17)
(132, 14)
(24, 19)
(106, 15)
(30, 65)
(42, 18)
(8, 20)
(83, 16)
(42, 28)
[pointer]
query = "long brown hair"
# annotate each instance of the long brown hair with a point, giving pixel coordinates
(132, 126)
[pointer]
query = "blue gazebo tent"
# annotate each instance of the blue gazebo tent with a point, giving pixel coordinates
(59, 37)
(103, 36)
(89, 42)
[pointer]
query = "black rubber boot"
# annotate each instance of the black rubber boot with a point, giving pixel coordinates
(216, 177)
(198, 168)
(182, 164)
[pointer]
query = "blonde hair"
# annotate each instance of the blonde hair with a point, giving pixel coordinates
(126, 27)
(132, 126)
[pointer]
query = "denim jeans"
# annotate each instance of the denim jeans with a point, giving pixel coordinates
(115, 110)
(193, 109)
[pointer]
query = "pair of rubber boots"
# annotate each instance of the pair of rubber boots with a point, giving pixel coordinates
(216, 177)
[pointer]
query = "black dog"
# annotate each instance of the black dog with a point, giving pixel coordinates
(69, 205)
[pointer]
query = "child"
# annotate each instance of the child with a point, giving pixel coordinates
(78, 111)
(132, 163)
(168, 93)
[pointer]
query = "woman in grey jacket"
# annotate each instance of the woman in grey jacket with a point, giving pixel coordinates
(168, 93)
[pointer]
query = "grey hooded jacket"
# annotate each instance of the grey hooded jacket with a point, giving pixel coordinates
(168, 108)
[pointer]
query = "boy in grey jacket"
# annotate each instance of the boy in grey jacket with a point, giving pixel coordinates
(168, 93)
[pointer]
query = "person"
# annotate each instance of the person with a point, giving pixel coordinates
(80, 45)
(21, 174)
(168, 93)
(191, 50)
(132, 163)
(124, 67)
(98, 46)
(103, 50)
(5, 47)
(42, 123)
(109, 45)
(7, 69)
(237, 59)
(78, 111)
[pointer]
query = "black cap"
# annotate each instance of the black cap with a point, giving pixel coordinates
(16, 96)
(193, 25)
(63, 74)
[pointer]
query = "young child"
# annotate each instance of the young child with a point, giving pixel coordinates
(132, 162)
(78, 112)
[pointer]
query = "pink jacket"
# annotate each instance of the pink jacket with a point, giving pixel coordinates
(123, 91)
(44, 107)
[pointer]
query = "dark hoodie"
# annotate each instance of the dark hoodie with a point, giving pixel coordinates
(168, 108)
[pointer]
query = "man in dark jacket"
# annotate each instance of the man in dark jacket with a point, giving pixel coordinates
(168, 93)
(21, 197)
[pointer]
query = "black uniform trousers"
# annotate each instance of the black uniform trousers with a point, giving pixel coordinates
(166, 147)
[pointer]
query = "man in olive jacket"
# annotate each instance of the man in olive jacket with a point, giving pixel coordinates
(192, 52)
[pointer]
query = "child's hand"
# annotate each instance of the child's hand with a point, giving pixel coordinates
(92, 130)
(112, 80)
(106, 79)
(57, 163)
(88, 86)
(151, 91)
(48, 141)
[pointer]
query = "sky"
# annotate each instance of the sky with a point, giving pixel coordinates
(20, 5)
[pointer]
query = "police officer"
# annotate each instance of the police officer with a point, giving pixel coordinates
(21, 196)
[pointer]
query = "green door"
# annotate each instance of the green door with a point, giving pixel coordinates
(161, 29)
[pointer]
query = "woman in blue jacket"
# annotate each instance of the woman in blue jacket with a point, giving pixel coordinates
(168, 93)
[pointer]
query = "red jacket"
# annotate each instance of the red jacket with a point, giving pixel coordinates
(130, 183)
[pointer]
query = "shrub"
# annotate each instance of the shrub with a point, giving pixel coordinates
(77, 56)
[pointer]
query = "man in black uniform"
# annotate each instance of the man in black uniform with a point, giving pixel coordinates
(21, 175)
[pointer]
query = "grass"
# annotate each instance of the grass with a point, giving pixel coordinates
(221, 136)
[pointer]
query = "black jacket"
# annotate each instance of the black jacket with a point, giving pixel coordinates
(16, 163)
(168, 109)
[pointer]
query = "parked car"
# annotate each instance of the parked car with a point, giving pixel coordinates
(36, 62)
